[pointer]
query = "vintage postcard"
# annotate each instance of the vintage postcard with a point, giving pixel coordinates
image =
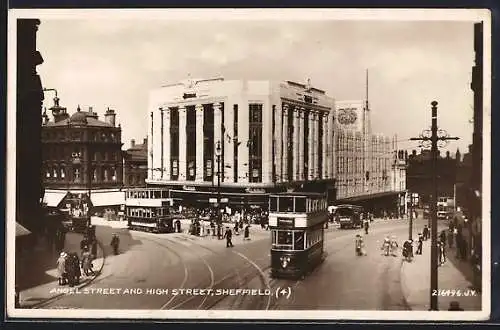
(249, 164)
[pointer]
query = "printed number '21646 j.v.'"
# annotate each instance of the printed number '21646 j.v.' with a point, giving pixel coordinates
(454, 293)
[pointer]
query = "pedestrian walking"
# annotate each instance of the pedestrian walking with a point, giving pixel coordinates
(61, 268)
(212, 225)
(236, 228)
(442, 236)
(87, 263)
(426, 233)
(115, 244)
(247, 232)
(394, 246)
(178, 226)
(420, 243)
(219, 231)
(228, 235)
(442, 252)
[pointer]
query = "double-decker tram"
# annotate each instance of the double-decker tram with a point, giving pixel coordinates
(148, 210)
(297, 222)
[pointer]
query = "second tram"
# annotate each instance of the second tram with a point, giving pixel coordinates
(297, 222)
(149, 210)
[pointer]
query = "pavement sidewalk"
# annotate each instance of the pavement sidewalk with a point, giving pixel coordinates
(37, 295)
(415, 281)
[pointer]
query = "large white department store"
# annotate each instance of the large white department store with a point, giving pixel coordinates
(262, 136)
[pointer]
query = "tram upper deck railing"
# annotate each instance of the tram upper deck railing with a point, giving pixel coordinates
(297, 203)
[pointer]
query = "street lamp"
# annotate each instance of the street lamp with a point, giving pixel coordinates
(218, 153)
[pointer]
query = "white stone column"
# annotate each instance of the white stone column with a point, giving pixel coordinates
(300, 143)
(199, 143)
(243, 150)
(150, 146)
(295, 144)
(333, 143)
(284, 144)
(166, 144)
(229, 142)
(156, 146)
(217, 138)
(278, 138)
(311, 146)
(325, 147)
(267, 137)
(182, 143)
(315, 146)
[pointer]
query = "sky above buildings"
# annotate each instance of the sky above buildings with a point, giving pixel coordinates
(115, 63)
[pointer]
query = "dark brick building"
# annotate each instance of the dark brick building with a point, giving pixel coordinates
(81, 153)
(419, 174)
(135, 164)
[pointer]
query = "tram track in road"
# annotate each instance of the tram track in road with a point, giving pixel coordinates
(240, 275)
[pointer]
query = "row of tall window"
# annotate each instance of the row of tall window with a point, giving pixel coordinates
(56, 173)
(210, 160)
(255, 142)
(289, 150)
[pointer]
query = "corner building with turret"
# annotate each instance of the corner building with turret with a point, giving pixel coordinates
(82, 164)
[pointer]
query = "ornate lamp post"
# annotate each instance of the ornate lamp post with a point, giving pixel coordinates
(434, 138)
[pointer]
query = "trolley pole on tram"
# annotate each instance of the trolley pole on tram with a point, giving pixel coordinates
(435, 137)
(218, 155)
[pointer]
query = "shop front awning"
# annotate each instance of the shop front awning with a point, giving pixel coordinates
(369, 196)
(108, 198)
(54, 198)
(21, 231)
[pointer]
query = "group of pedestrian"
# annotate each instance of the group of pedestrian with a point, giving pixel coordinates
(68, 268)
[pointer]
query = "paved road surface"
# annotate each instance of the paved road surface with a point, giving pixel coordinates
(155, 263)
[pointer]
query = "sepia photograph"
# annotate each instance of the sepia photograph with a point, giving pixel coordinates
(267, 164)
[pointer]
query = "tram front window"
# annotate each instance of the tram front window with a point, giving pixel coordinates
(298, 240)
(283, 240)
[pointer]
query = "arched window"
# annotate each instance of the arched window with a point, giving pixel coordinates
(94, 174)
(63, 173)
(47, 174)
(106, 175)
(55, 172)
(114, 174)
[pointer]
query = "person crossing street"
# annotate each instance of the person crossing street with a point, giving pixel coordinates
(228, 235)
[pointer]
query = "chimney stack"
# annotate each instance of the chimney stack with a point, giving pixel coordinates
(145, 141)
(132, 143)
(110, 117)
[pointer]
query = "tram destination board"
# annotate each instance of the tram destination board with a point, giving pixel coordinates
(286, 222)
